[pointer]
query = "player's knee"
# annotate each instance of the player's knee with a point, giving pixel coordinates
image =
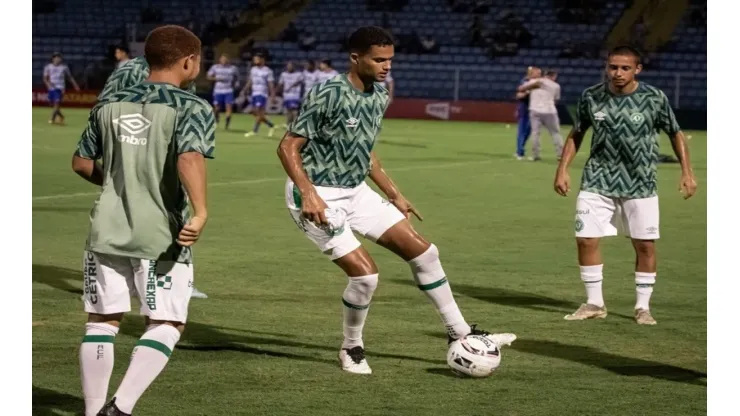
(111, 319)
(152, 323)
(587, 244)
(364, 285)
(644, 248)
(428, 263)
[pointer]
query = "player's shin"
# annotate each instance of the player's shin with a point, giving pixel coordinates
(96, 364)
(356, 300)
(592, 277)
(148, 359)
(431, 279)
(644, 283)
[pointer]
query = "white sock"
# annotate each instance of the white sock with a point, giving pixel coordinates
(592, 277)
(431, 279)
(96, 364)
(149, 358)
(644, 283)
(356, 300)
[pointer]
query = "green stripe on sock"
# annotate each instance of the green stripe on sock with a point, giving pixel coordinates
(351, 306)
(99, 338)
(155, 345)
(434, 285)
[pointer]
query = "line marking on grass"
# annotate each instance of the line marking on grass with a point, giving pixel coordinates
(283, 178)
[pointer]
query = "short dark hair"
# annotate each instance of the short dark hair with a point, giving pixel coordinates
(626, 50)
(56, 54)
(327, 62)
(362, 39)
(123, 48)
(165, 45)
(550, 72)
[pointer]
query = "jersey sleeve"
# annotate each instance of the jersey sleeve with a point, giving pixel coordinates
(666, 119)
(281, 79)
(211, 71)
(310, 120)
(196, 130)
(270, 76)
(90, 144)
(583, 118)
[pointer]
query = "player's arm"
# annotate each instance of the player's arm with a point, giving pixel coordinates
(529, 85)
(668, 123)
(47, 78)
(572, 145)
(72, 79)
(196, 141)
(520, 95)
(389, 188)
(211, 75)
(89, 149)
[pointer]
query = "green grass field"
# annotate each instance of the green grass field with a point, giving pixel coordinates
(266, 341)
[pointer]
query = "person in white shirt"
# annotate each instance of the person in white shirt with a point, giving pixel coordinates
(226, 78)
(326, 71)
(262, 83)
(543, 93)
(290, 83)
(122, 55)
(55, 77)
(310, 76)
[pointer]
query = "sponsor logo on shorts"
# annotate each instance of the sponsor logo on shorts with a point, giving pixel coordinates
(583, 212)
(90, 274)
(652, 230)
(579, 225)
(151, 286)
(164, 282)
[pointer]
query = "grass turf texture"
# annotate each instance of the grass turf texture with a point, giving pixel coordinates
(266, 341)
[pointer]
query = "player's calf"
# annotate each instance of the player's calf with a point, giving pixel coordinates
(96, 359)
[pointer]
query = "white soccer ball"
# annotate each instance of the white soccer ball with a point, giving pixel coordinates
(473, 356)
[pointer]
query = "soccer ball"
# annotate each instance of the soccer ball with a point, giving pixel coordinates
(473, 356)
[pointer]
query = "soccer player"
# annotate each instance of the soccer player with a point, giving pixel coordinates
(524, 128)
(310, 76)
(619, 183)
(225, 77)
(326, 71)
(153, 139)
(55, 75)
(290, 83)
(262, 83)
(122, 55)
(543, 92)
(127, 75)
(327, 154)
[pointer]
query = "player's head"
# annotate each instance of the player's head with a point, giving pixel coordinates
(121, 53)
(223, 59)
(325, 64)
(310, 66)
(290, 66)
(534, 72)
(56, 58)
(371, 52)
(258, 60)
(622, 64)
(552, 74)
(175, 50)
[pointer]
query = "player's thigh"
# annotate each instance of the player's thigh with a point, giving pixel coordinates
(107, 282)
(357, 263)
(403, 240)
(552, 123)
(336, 241)
(164, 289)
(371, 215)
(641, 218)
(228, 99)
(596, 215)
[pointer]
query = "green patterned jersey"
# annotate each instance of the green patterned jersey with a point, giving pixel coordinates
(624, 149)
(341, 124)
(138, 133)
(133, 72)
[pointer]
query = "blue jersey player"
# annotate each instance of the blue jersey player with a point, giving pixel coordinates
(55, 77)
(524, 128)
(226, 78)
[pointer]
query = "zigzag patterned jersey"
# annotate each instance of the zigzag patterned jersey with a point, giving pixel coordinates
(138, 132)
(341, 124)
(127, 75)
(624, 148)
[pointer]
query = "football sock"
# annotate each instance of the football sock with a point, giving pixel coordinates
(269, 123)
(431, 279)
(96, 364)
(228, 121)
(148, 359)
(644, 283)
(356, 301)
(217, 116)
(592, 278)
(256, 126)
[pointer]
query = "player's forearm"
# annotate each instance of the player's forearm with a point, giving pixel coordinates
(572, 144)
(381, 178)
(88, 170)
(681, 149)
(289, 152)
(191, 167)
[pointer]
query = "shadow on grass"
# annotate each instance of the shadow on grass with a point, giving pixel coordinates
(49, 402)
(58, 278)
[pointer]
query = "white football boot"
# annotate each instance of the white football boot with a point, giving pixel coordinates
(353, 360)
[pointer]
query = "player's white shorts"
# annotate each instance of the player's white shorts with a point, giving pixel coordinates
(359, 209)
(603, 216)
(163, 287)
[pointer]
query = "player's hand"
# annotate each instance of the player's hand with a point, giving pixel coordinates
(190, 233)
(313, 208)
(405, 207)
(688, 185)
(562, 183)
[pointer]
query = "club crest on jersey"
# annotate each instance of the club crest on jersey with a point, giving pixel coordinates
(133, 123)
(600, 116)
(353, 122)
(637, 118)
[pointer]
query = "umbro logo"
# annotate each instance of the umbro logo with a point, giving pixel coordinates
(600, 116)
(353, 122)
(133, 123)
